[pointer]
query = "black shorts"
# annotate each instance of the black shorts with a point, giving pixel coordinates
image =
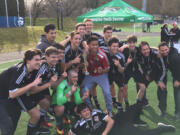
(117, 78)
(25, 102)
(142, 79)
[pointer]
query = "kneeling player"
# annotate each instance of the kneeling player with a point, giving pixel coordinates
(66, 98)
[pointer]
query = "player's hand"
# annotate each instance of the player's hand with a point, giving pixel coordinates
(74, 88)
(161, 85)
(64, 74)
(86, 95)
(116, 62)
(176, 84)
(129, 60)
(77, 59)
(100, 70)
(37, 81)
(147, 78)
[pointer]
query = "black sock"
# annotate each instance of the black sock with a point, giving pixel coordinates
(59, 121)
(114, 99)
(31, 128)
(95, 100)
(126, 101)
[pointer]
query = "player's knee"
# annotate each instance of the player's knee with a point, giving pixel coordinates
(44, 103)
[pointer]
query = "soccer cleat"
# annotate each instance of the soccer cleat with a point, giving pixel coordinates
(67, 121)
(145, 103)
(46, 124)
(41, 131)
(166, 128)
(139, 123)
(59, 131)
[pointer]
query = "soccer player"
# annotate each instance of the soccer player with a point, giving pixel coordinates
(20, 81)
(65, 99)
(47, 71)
(98, 68)
(130, 53)
(48, 38)
(145, 74)
(73, 56)
(172, 58)
(95, 122)
(89, 27)
(116, 70)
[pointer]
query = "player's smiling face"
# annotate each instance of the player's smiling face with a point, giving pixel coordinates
(82, 30)
(76, 40)
(52, 59)
(89, 26)
(51, 35)
(85, 113)
(108, 34)
(145, 50)
(164, 50)
(34, 63)
(114, 48)
(132, 46)
(93, 46)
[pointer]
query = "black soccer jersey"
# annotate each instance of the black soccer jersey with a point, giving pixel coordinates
(94, 34)
(118, 56)
(71, 55)
(13, 78)
(94, 126)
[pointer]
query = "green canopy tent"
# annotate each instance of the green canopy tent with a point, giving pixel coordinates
(116, 11)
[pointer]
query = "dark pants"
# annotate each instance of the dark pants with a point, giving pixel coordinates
(162, 97)
(177, 99)
(6, 123)
(124, 123)
(14, 112)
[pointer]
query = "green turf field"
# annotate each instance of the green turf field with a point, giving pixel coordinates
(151, 114)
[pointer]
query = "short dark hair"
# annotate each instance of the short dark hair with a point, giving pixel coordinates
(163, 44)
(74, 33)
(143, 43)
(30, 53)
(79, 24)
(81, 107)
(92, 38)
(59, 46)
(107, 27)
(113, 40)
(50, 50)
(49, 27)
(131, 39)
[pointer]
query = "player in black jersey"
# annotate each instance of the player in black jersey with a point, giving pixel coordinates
(116, 70)
(73, 56)
(20, 84)
(130, 53)
(89, 26)
(146, 61)
(95, 122)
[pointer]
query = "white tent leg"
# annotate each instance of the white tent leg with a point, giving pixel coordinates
(134, 28)
(30, 23)
(7, 17)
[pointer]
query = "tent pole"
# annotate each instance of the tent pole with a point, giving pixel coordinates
(7, 17)
(30, 15)
(134, 28)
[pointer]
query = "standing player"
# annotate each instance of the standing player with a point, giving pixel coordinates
(98, 68)
(116, 70)
(172, 58)
(48, 39)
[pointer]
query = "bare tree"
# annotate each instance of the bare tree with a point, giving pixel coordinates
(37, 9)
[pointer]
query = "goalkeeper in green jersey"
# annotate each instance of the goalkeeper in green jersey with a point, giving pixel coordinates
(65, 99)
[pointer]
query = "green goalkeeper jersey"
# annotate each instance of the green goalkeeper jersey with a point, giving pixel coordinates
(59, 97)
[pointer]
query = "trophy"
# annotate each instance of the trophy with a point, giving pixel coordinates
(85, 60)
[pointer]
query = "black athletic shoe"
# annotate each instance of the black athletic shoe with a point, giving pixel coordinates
(166, 128)
(162, 113)
(140, 123)
(145, 103)
(42, 131)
